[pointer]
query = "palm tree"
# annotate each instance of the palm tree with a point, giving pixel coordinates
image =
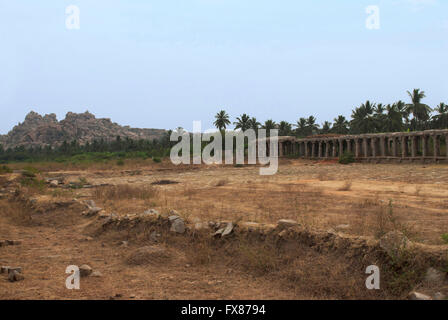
(269, 125)
(326, 127)
(222, 120)
(284, 128)
(340, 125)
(362, 121)
(419, 110)
(441, 119)
(394, 117)
(301, 127)
(242, 122)
(254, 124)
(312, 126)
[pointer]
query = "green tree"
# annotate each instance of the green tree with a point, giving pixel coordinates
(440, 120)
(222, 120)
(284, 128)
(340, 125)
(243, 122)
(326, 127)
(301, 127)
(420, 111)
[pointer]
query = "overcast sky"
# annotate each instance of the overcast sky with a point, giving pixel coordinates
(165, 63)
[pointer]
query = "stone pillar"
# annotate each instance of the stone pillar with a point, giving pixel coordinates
(425, 145)
(373, 146)
(313, 149)
(414, 146)
(394, 147)
(319, 149)
(349, 145)
(404, 147)
(365, 147)
(307, 150)
(280, 149)
(341, 147)
(327, 149)
(357, 147)
(335, 149)
(383, 146)
(436, 143)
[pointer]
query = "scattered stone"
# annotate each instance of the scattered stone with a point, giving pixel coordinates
(418, 296)
(15, 276)
(287, 223)
(90, 203)
(124, 243)
(343, 226)
(152, 212)
(218, 232)
(17, 269)
(434, 276)
(4, 269)
(85, 270)
(173, 217)
(94, 210)
(177, 225)
(54, 183)
(96, 274)
(439, 296)
(88, 239)
(3, 243)
(227, 230)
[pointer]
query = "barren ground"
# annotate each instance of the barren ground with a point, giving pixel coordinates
(357, 199)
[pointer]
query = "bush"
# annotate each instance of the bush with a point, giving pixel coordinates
(346, 158)
(120, 163)
(445, 237)
(156, 159)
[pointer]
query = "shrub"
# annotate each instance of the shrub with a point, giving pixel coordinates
(445, 237)
(120, 163)
(156, 159)
(346, 158)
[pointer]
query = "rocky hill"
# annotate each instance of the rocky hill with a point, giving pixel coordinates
(45, 130)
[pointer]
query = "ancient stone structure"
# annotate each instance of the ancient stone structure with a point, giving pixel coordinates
(401, 146)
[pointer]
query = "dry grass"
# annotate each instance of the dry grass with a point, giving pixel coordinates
(222, 182)
(125, 192)
(346, 187)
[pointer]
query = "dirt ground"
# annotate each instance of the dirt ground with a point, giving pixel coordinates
(358, 199)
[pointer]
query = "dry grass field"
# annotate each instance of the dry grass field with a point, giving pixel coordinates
(358, 200)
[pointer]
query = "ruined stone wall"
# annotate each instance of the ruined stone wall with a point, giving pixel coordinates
(400, 146)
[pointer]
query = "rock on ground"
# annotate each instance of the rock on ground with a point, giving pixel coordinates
(85, 270)
(177, 224)
(418, 296)
(286, 223)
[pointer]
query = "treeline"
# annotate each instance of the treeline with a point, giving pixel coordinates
(97, 150)
(367, 118)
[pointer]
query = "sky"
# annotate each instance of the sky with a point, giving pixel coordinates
(164, 64)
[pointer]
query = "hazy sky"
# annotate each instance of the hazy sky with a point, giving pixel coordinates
(165, 63)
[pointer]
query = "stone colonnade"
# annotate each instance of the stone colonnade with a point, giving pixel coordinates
(420, 145)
